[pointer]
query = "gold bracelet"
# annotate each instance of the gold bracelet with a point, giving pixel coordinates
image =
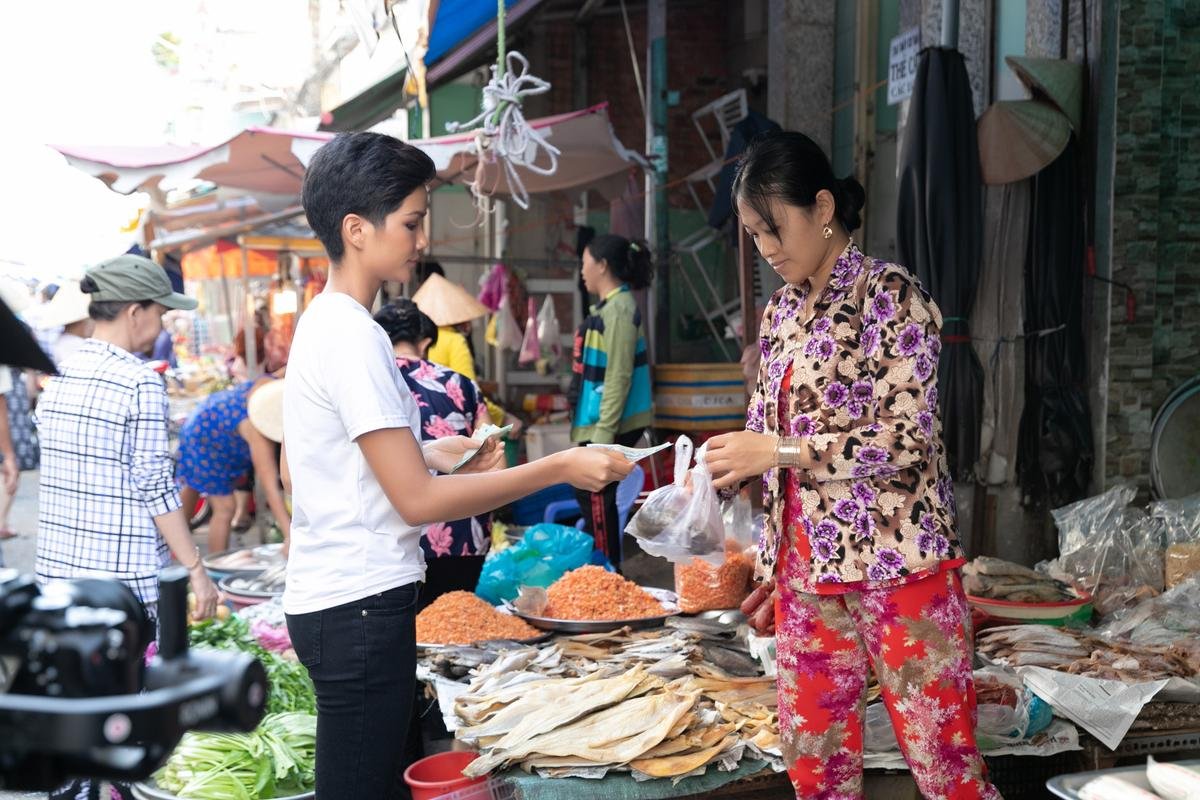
(790, 452)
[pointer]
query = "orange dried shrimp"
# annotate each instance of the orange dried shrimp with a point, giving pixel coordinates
(594, 593)
(463, 618)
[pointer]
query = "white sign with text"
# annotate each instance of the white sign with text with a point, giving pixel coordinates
(902, 65)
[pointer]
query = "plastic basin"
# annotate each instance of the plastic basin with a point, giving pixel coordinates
(440, 774)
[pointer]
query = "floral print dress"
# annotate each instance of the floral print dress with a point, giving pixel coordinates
(451, 405)
(213, 456)
(863, 545)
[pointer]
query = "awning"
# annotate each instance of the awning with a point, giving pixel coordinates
(463, 31)
(272, 160)
(225, 259)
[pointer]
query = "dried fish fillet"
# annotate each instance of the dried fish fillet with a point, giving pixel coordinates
(673, 766)
(549, 707)
(613, 736)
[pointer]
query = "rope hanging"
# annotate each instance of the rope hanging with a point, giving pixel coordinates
(503, 134)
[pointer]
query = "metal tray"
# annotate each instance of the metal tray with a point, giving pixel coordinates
(149, 791)
(1068, 786)
(265, 556)
(668, 599)
(223, 584)
(533, 640)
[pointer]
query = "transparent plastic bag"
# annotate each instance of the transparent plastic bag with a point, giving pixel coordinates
(1003, 708)
(531, 346)
(1168, 619)
(878, 734)
(549, 331)
(1180, 519)
(682, 521)
(664, 503)
(702, 586)
(738, 515)
(1113, 551)
(1180, 524)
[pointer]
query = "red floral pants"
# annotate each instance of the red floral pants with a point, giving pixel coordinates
(916, 637)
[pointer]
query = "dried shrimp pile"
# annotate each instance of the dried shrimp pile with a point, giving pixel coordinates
(463, 618)
(594, 593)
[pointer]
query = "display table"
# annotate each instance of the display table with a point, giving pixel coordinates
(752, 779)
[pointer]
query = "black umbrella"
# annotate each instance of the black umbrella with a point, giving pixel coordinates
(940, 234)
(1054, 451)
(18, 348)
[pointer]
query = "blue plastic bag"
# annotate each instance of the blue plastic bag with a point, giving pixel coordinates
(546, 553)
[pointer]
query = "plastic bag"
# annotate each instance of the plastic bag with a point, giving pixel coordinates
(1004, 705)
(878, 734)
(702, 586)
(664, 503)
(549, 331)
(531, 347)
(1180, 522)
(543, 556)
(682, 521)
(1168, 619)
(1114, 552)
(508, 332)
(1180, 519)
(492, 287)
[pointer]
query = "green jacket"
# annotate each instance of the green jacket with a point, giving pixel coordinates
(610, 385)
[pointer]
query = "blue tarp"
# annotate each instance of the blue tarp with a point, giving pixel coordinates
(456, 20)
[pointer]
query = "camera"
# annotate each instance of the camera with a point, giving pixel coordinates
(77, 698)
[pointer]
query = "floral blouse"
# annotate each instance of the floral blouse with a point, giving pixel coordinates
(451, 405)
(877, 508)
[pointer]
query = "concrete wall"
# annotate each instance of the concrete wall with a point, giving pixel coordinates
(1155, 233)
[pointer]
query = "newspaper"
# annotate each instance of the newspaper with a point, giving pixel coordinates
(1105, 709)
(1060, 737)
(448, 692)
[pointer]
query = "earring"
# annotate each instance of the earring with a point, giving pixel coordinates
(827, 232)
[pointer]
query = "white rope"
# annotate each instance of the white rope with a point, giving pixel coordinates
(505, 136)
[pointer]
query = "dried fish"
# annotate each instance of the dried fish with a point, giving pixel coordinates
(1003, 580)
(616, 735)
(677, 765)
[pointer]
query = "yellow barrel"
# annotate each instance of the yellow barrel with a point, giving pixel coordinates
(699, 397)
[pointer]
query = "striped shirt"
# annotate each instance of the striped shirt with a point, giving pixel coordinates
(106, 470)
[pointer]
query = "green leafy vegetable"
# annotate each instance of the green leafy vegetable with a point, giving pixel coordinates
(290, 687)
(276, 760)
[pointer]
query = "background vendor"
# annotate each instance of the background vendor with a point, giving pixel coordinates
(217, 446)
(610, 382)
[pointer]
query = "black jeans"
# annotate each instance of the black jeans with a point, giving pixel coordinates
(362, 659)
(600, 517)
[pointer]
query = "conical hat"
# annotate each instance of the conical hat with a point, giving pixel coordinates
(15, 295)
(70, 304)
(1060, 81)
(447, 303)
(1019, 138)
(265, 410)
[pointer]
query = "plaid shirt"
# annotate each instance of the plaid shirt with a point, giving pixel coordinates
(106, 470)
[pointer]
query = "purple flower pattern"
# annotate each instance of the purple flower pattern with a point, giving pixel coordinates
(869, 449)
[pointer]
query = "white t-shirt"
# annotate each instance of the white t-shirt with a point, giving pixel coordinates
(348, 541)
